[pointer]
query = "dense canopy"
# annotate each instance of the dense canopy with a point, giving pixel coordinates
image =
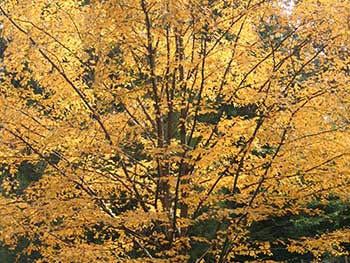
(173, 131)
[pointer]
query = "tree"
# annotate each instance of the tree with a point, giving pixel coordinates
(167, 129)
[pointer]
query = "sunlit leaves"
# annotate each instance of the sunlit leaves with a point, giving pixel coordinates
(143, 121)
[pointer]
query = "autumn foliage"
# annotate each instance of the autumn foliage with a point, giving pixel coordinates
(149, 131)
